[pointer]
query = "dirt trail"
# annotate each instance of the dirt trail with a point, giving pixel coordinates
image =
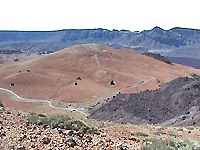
(71, 108)
(141, 81)
(136, 85)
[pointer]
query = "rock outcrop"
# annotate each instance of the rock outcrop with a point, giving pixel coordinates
(177, 100)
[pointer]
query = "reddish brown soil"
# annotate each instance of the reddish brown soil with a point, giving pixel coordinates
(53, 76)
(9, 58)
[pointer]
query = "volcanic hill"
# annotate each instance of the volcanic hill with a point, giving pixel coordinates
(175, 103)
(82, 73)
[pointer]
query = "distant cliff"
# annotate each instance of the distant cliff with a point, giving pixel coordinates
(157, 38)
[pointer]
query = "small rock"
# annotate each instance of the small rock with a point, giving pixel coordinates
(108, 140)
(42, 115)
(21, 139)
(123, 147)
(21, 148)
(1, 104)
(8, 112)
(89, 139)
(184, 117)
(60, 131)
(3, 133)
(46, 140)
(134, 139)
(80, 134)
(68, 132)
(71, 142)
(11, 147)
(103, 135)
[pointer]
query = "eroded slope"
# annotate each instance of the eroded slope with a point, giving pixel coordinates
(177, 100)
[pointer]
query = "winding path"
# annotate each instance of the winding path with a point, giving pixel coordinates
(141, 81)
(71, 108)
(40, 100)
(136, 85)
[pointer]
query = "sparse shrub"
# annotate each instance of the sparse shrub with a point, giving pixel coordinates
(158, 145)
(159, 132)
(79, 125)
(172, 144)
(171, 133)
(161, 128)
(197, 134)
(98, 103)
(179, 129)
(190, 128)
(32, 117)
(62, 121)
(93, 130)
(140, 134)
(149, 139)
(44, 121)
(186, 144)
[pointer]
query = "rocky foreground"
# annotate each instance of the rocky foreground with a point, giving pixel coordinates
(16, 134)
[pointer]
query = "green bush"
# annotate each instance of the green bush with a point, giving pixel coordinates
(174, 133)
(44, 121)
(158, 145)
(149, 139)
(159, 132)
(32, 117)
(140, 134)
(179, 129)
(62, 121)
(190, 128)
(172, 144)
(197, 134)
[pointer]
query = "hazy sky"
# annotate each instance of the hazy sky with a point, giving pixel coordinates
(133, 15)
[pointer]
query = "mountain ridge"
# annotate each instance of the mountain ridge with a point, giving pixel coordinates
(156, 38)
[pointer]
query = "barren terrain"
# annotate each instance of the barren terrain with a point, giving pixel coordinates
(81, 77)
(92, 67)
(174, 104)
